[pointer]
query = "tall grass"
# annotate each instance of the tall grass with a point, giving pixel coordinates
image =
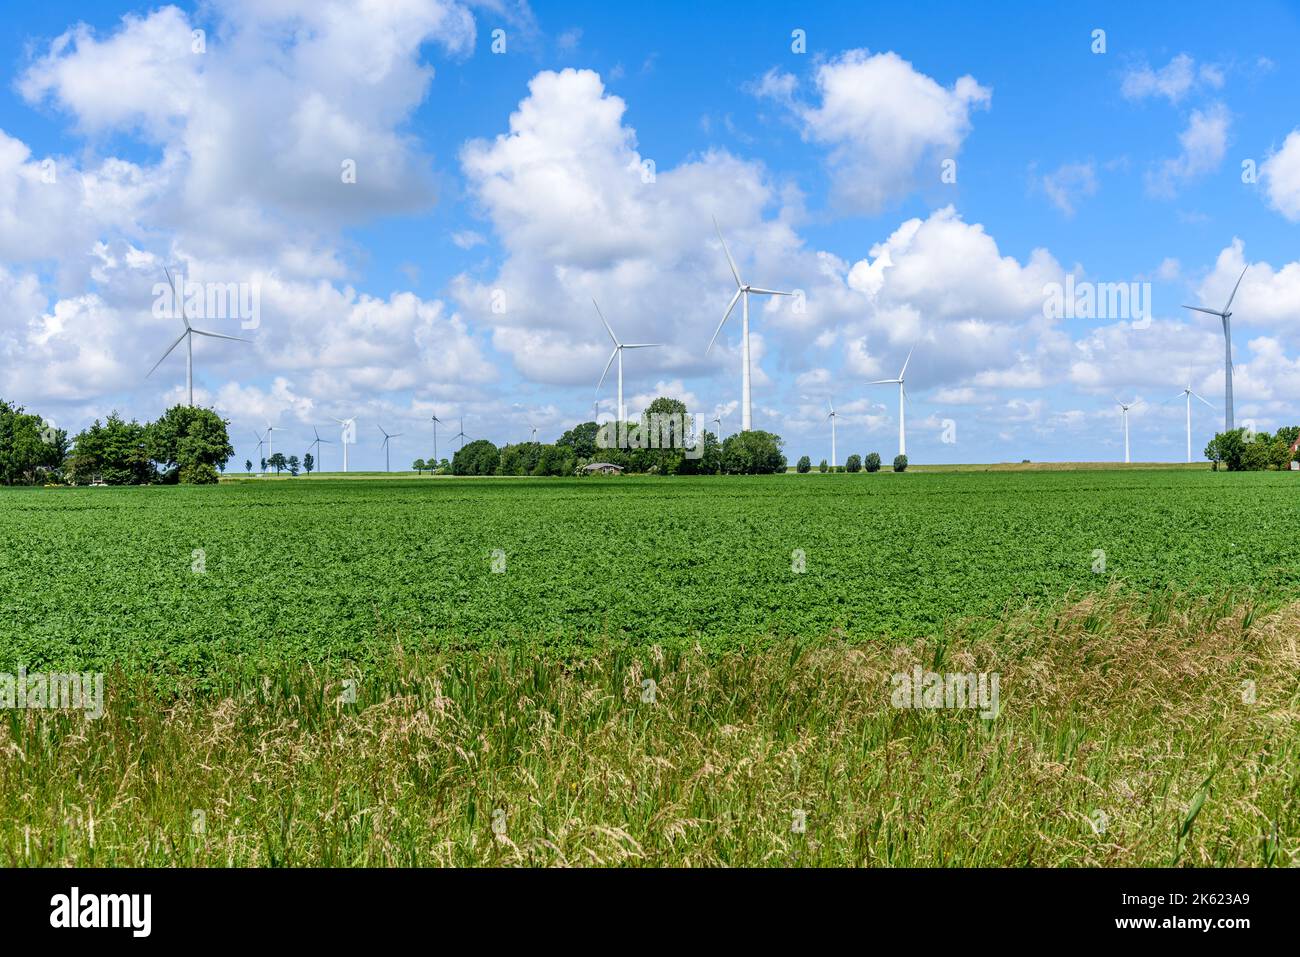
(1126, 736)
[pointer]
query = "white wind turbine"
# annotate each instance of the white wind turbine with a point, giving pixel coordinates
(385, 445)
(269, 429)
(1124, 408)
(261, 440)
(1189, 394)
(833, 416)
(1224, 317)
(461, 435)
(618, 354)
(533, 438)
(902, 399)
(317, 444)
(188, 335)
(743, 290)
(349, 429)
(435, 420)
(717, 420)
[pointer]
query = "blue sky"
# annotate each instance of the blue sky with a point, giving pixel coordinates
(497, 193)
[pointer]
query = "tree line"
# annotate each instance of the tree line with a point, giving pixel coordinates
(186, 445)
(745, 453)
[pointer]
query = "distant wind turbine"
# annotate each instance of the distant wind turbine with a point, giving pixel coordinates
(618, 354)
(902, 399)
(1125, 407)
(743, 291)
(534, 435)
(349, 428)
(188, 335)
(317, 444)
(1189, 394)
(435, 420)
(387, 468)
(717, 420)
(261, 440)
(461, 435)
(833, 416)
(269, 429)
(1225, 316)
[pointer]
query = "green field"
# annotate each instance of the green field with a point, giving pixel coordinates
(343, 678)
(325, 570)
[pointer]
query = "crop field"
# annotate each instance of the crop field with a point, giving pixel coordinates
(657, 671)
(185, 581)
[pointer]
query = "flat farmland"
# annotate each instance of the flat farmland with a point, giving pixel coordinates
(187, 580)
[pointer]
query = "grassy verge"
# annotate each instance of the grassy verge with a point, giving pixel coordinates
(1127, 735)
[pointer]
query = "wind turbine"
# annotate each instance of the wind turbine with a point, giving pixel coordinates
(319, 441)
(260, 442)
(902, 398)
(385, 445)
(833, 416)
(1125, 408)
(533, 439)
(349, 427)
(269, 429)
(1188, 394)
(461, 435)
(435, 420)
(717, 420)
(188, 336)
(743, 290)
(1225, 316)
(618, 354)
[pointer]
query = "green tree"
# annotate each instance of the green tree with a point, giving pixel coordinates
(186, 435)
(248, 465)
(873, 462)
(581, 439)
(479, 457)
(752, 453)
(294, 465)
(900, 463)
(555, 460)
(804, 466)
(308, 463)
(277, 462)
(1227, 448)
(821, 466)
(853, 463)
(419, 466)
(520, 459)
(29, 446)
(114, 451)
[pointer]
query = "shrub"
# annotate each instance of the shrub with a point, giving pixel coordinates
(804, 466)
(873, 461)
(822, 466)
(198, 473)
(853, 464)
(900, 463)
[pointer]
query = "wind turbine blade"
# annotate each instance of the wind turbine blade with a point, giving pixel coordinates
(1203, 400)
(606, 324)
(168, 352)
(1208, 312)
(769, 292)
(180, 296)
(906, 361)
(883, 382)
(725, 316)
(643, 345)
(606, 372)
(730, 262)
(217, 335)
(1228, 307)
